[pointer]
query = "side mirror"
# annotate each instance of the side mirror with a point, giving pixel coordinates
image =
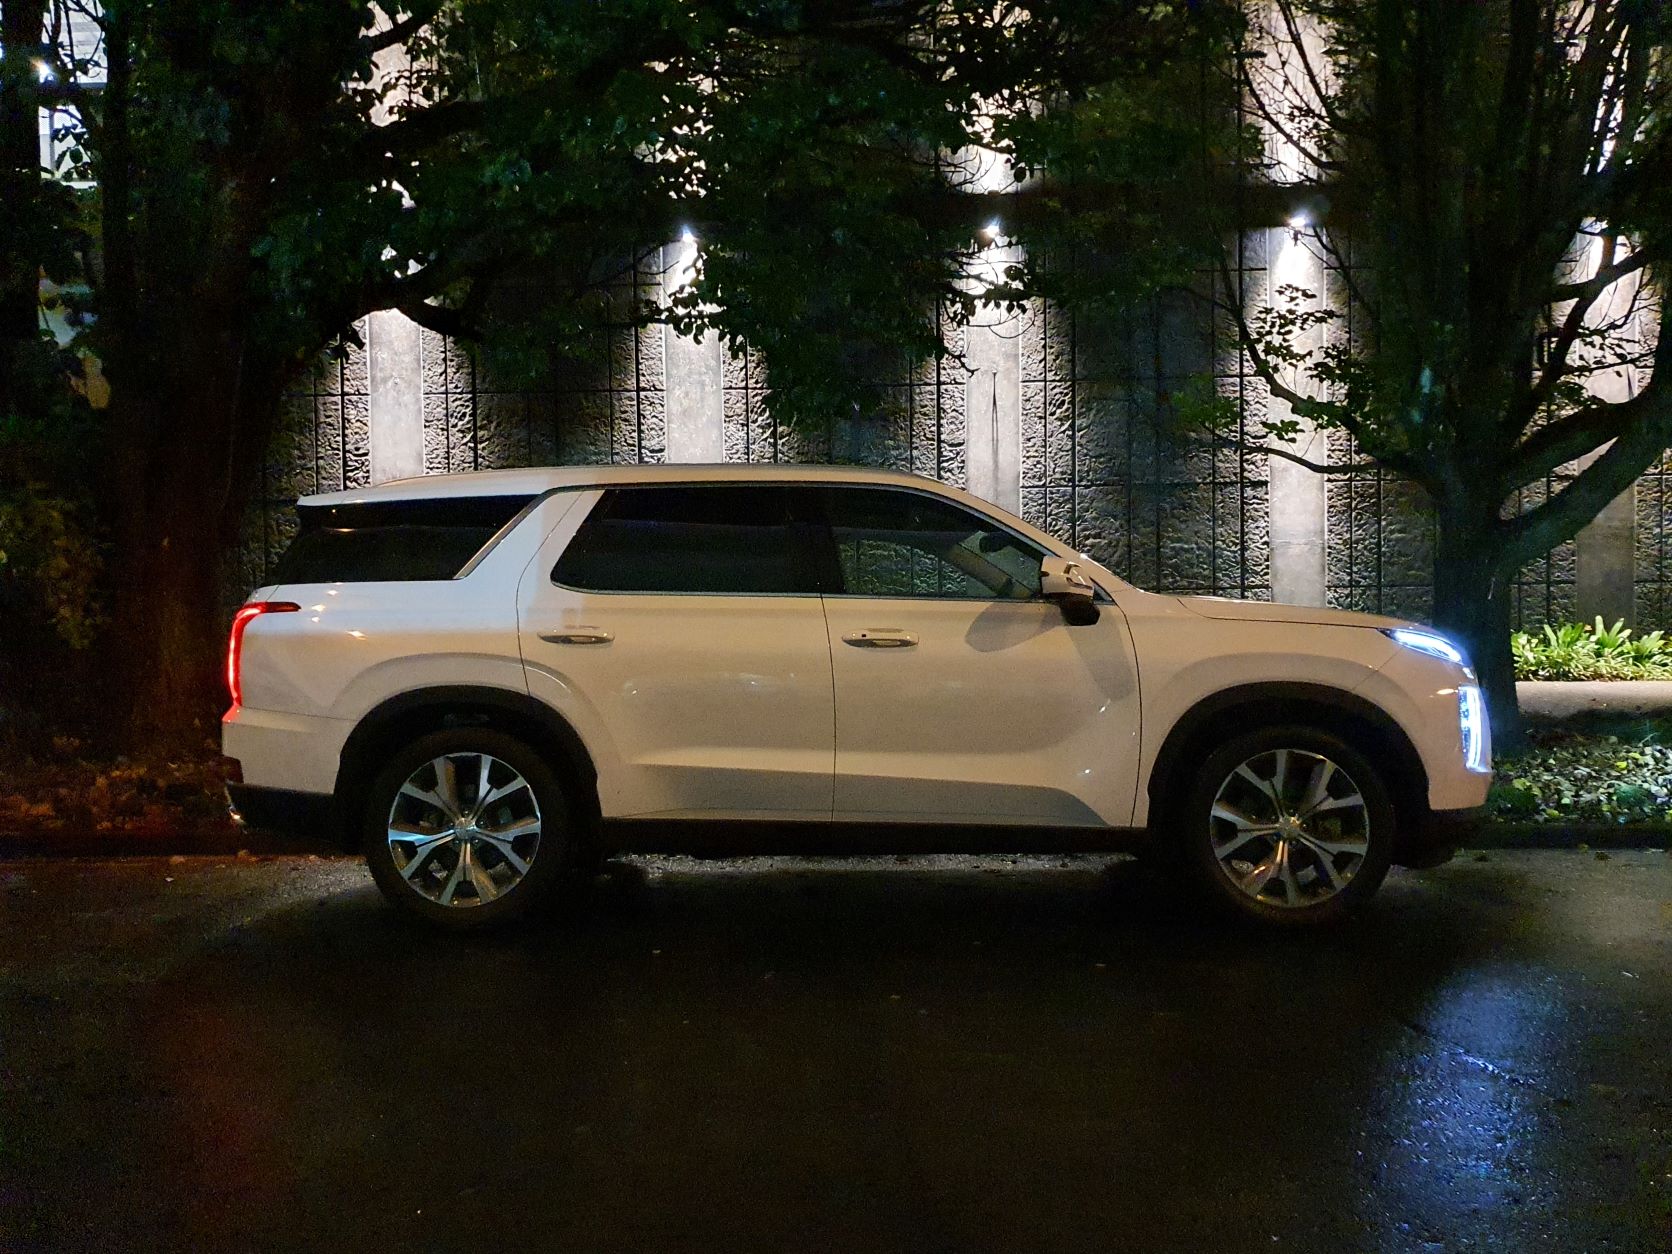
(1061, 580)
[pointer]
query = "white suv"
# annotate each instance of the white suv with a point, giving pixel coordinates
(487, 680)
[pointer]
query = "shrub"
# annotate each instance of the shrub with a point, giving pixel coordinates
(1591, 651)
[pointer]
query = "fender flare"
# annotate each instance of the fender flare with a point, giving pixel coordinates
(408, 715)
(1287, 699)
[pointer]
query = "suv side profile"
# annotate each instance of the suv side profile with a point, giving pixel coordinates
(488, 681)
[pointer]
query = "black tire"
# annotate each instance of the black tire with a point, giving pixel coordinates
(469, 908)
(1198, 837)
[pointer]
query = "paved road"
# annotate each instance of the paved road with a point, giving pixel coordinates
(1027, 1055)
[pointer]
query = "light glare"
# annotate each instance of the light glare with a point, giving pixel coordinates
(1429, 642)
(1475, 728)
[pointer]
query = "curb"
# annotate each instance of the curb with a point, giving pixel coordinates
(1509, 835)
(249, 842)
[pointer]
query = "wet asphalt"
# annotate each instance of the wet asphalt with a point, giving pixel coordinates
(937, 1055)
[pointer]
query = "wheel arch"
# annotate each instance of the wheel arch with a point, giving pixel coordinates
(403, 718)
(1361, 723)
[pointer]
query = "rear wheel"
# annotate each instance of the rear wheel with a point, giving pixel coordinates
(1288, 826)
(466, 828)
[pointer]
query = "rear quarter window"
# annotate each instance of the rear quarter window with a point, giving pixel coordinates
(391, 541)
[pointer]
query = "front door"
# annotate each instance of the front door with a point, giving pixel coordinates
(962, 695)
(681, 632)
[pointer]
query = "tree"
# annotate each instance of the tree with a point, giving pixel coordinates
(1496, 174)
(259, 175)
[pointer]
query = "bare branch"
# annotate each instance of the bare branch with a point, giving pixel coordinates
(1287, 10)
(1270, 118)
(1355, 293)
(1567, 439)
(1590, 289)
(1321, 468)
(1645, 433)
(1586, 294)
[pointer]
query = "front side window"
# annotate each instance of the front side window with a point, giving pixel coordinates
(906, 544)
(723, 538)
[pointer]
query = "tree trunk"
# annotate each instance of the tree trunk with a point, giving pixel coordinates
(165, 639)
(182, 475)
(1472, 605)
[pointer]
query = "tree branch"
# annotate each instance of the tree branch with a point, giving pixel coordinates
(1271, 120)
(62, 92)
(1321, 468)
(1633, 451)
(1303, 405)
(1590, 289)
(1286, 10)
(443, 321)
(1355, 292)
(1567, 439)
(1585, 295)
(398, 32)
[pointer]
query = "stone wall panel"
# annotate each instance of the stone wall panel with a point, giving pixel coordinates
(1097, 463)
(502, 430)
(1185, 523)
(356, 446)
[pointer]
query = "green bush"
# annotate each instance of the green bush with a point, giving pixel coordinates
(50, 561)
(1591, 651)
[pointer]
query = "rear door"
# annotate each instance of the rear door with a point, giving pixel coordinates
(681, 628)
(961, 694)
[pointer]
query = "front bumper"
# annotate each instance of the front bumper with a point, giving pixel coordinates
(1433, 836)
(283, 810)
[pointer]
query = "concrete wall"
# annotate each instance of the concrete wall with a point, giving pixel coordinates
(1058, 417)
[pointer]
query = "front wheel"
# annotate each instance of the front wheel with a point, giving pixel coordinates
(1287, 825)
(466, 828)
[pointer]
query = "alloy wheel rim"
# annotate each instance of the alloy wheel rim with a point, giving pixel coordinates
(464, 829)
(1289, 828)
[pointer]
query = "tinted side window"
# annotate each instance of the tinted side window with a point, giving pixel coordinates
(434, 538)
(720, 539)
(905, 544)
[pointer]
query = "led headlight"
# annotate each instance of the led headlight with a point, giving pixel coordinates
(1476, 730)
(1429, 642)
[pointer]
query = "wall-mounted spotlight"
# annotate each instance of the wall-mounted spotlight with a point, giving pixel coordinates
(687, 235)
(991, 232)
(1306, 214)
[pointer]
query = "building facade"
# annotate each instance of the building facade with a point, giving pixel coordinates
(1059, 417)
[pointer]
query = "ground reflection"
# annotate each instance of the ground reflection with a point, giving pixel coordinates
(963, 1054)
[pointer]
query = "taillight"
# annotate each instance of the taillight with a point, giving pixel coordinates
(235, 643)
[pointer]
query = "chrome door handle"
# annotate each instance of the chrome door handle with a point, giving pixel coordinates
(880, 638)
(580, 635)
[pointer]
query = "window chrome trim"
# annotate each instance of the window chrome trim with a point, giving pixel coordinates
(602, 489)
